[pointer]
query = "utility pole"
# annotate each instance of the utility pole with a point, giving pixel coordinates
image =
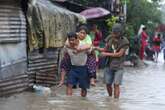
(125, 10)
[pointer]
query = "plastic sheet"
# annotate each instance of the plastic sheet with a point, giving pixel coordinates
(49, 24)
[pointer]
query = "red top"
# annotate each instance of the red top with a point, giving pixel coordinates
(97, 39)
(157, 41)
(144, 37)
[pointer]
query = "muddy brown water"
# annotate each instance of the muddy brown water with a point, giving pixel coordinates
(142, 89)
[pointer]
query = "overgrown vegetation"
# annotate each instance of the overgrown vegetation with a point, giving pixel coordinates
(138, 12)
(110, 22)
(143, 12)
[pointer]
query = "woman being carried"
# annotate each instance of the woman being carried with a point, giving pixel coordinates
(91, 60)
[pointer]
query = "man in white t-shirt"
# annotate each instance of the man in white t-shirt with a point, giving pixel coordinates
(78, 73)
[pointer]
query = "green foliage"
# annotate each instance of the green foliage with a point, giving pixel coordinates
(110, 22)
(141, 12)
(123, 1)
(129, 31)
(138, 12)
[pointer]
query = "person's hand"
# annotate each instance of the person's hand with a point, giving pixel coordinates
(77, 50)
(96, 48)
(103, 54)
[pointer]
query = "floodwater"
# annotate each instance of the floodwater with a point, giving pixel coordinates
(142, 89)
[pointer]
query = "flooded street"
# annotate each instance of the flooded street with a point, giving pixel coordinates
(142, 89)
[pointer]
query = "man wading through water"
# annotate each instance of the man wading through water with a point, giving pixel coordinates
(115, 49)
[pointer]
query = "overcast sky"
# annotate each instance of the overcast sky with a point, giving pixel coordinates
(162, 1)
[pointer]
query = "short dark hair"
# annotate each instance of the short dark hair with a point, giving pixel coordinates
(72, 35)
(144, 28)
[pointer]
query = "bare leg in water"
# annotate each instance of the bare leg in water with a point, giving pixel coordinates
(109, 89)
(116, 91)
(83, 93)
(69, 90)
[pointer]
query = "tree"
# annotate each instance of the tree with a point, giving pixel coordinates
(138, 12)
(163, 13)
(143, 12)
(110, 22)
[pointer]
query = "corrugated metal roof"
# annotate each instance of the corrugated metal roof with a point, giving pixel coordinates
(12, 24)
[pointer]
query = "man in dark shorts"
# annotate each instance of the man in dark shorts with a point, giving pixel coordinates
(78, 74)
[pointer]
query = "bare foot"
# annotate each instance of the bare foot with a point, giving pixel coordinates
(92, 82)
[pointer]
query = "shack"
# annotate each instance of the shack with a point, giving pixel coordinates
(31, 37)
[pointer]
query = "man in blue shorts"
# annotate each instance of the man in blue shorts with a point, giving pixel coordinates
(78, 73)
